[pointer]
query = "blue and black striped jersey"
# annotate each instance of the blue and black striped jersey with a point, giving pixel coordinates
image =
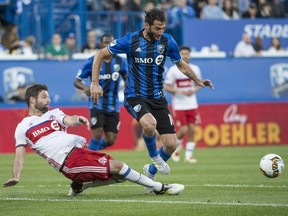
(146, 61)
(109, 79)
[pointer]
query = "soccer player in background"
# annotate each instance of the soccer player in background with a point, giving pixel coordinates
(104, 116)
(144, 98)
(45, 132)
(184, 105)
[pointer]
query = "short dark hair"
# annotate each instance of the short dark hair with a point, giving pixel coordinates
(105, 35)
(154, 14)
(184, 48)
(33, 91)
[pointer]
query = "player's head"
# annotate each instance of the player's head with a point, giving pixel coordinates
(185, 53)
(155, 23)
(36, 95)
(105, 40)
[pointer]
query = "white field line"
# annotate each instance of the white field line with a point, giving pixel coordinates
(187, 185)
(145, 201)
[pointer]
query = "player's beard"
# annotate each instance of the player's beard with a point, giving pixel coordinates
(151, 35)
(41, 107)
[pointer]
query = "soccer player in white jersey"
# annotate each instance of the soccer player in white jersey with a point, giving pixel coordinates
(184, 105)
(45, 132)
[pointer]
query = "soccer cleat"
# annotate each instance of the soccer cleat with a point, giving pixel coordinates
(175, 157)
(171, 189)
(191, 160)
(162, 166)
(76, 188)
(149, 175)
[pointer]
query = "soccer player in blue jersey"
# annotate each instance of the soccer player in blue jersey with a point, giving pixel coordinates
(146, 52)
(107, 110)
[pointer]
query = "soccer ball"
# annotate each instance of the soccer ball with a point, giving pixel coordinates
(272, 165)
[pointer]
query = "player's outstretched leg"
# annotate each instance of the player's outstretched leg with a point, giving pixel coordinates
(159, 188)
(77, 188)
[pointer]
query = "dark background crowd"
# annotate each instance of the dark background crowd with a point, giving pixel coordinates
(64, 43)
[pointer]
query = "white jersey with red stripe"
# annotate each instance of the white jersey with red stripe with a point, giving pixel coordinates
(47, 136)
(180, 82)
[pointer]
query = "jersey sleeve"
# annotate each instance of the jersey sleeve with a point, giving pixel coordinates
(20, 137)
(119, 46)
(86, 70)
(173, 50)
(60, 115)
(124, 68)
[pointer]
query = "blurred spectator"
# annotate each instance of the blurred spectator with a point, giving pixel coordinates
(18, 95)
(242, 6)
(258, 45)
(278, 9)
(1, 46)
(198, 6)
(79, 96)
(264, 9)
(212, 11)
(149, 5)
(10, 39)
(70, 43)
(56, 50)
(252, 12)
(275, 45)
(229, 11)
(244, 47)
(135, 6)
(91, 46)
(96, 5)
(175, 17)
(27, 45)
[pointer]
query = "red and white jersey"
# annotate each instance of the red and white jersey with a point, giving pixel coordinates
(180, 82)
(47, 136)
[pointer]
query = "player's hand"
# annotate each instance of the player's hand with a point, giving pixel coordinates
(96, 92)
(204, 83)
(11, 182)
(83, 120)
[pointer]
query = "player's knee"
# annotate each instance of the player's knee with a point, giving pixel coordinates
(149, 127)
(115, 166)
(148, 123)
(171, 144)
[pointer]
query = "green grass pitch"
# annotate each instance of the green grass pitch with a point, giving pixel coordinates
(225, 181)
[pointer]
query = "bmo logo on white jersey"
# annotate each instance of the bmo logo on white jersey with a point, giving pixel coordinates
(40, 131)
(35, 133)
(55, 125)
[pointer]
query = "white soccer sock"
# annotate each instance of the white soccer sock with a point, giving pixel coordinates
(134, 176)
(189, 149)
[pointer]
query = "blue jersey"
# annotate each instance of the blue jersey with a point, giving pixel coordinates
(146, 61)
(109, 79)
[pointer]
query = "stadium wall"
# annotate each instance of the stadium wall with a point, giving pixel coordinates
(226, 34)
(248, 106)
